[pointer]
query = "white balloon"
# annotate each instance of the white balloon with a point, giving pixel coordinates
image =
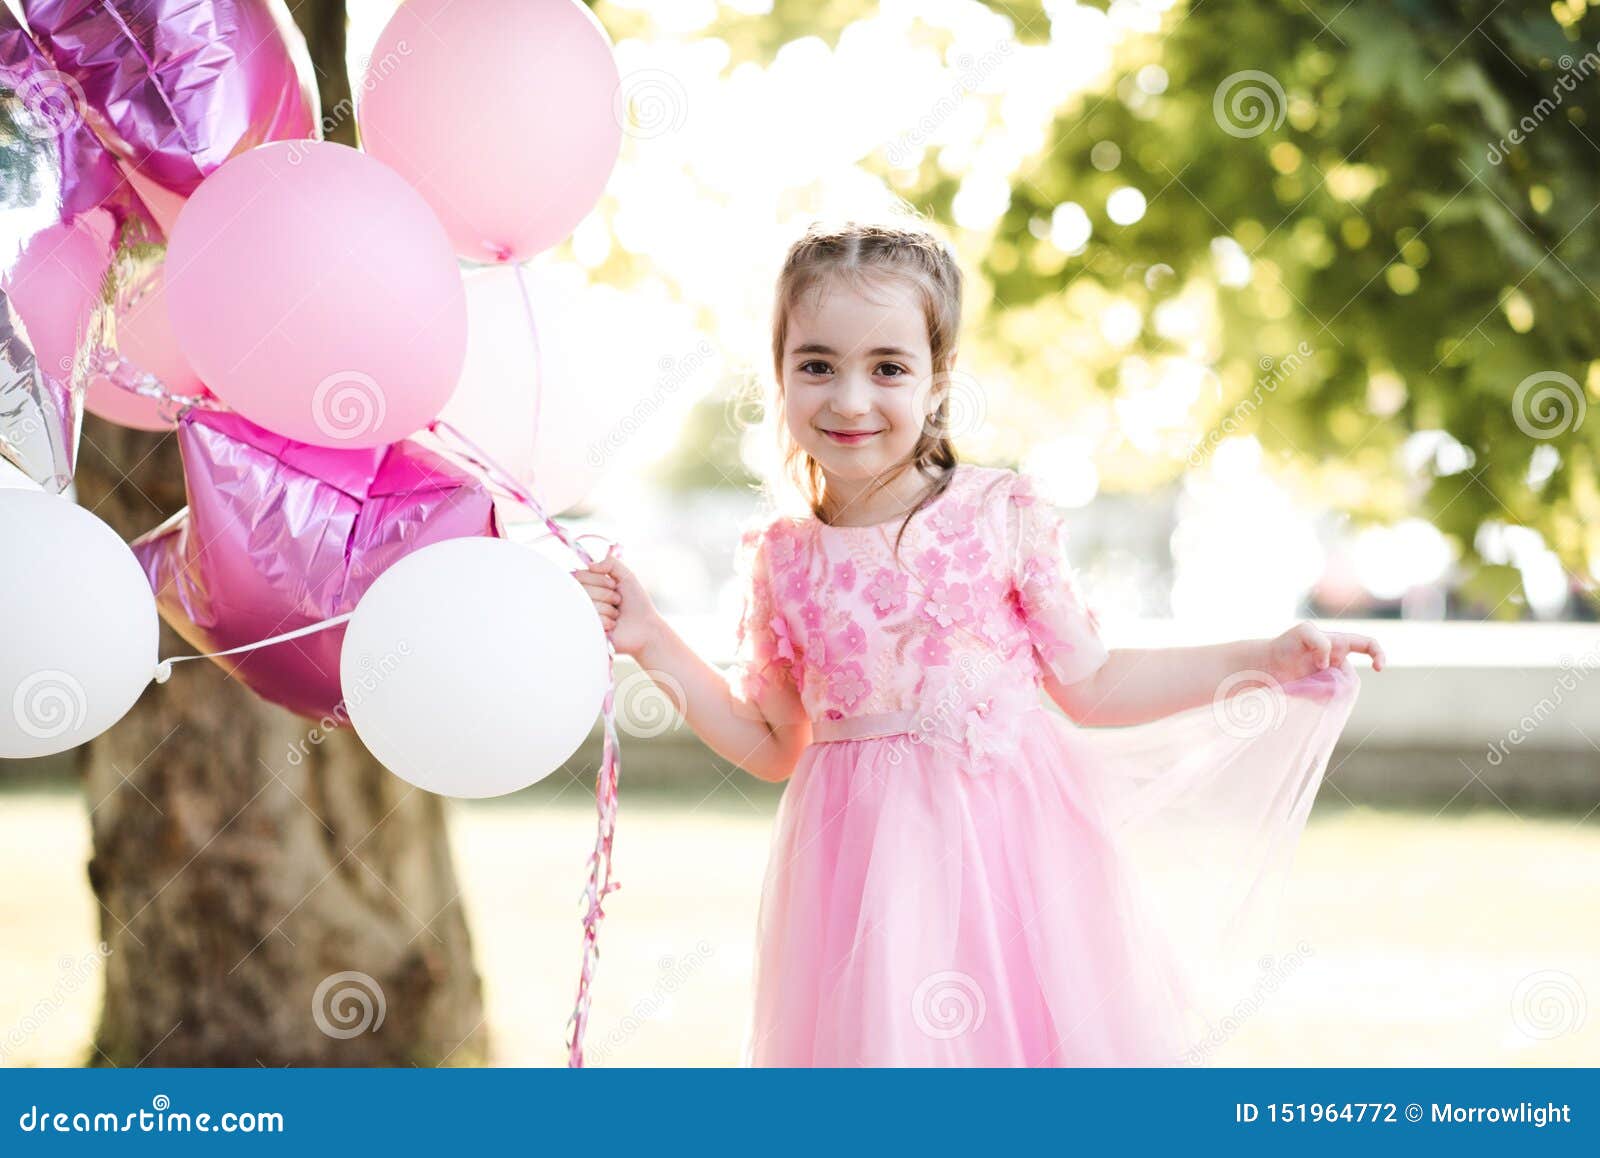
(13, 479)
(78, 626)
(474, 667)
(547, 402)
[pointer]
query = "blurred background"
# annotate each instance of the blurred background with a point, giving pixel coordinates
(1292, 305)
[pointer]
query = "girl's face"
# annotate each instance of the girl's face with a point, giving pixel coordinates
(851, 375)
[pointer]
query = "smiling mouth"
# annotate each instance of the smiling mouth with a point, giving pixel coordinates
(851, 438)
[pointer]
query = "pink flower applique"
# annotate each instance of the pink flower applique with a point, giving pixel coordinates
(1039, 571)
(1022, 492)
(797, 584)
(887, 592)
(988, 590)
(1048, 643)
(811, 615)
(848, 684)
(851, 641)
(844, 576)
(984, 731)
(932, 651)
(952, 520)
(934, 562)
(946, 604)
(971, 554)
(785, 549)
(993, 627)
(784, 648)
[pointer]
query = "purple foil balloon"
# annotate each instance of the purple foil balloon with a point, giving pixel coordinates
(280, 535)
(45, 112)
(179, 86)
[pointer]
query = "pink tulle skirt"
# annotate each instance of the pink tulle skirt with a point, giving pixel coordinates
(1091, 902)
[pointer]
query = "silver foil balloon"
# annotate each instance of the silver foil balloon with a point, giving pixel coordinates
(40, 413)
(53, 170)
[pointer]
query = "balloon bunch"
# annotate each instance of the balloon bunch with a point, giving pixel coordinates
(199, 258)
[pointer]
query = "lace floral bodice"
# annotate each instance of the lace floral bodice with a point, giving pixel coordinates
(979, 604)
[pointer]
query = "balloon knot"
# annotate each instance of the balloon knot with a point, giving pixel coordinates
(163, 671)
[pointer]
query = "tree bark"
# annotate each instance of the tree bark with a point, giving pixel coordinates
(269, 895)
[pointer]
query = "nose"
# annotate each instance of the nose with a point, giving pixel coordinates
(852, 396)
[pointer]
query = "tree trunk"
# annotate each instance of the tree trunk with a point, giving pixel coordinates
(269, 894)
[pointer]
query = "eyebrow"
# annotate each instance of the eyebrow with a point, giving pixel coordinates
(819, 348)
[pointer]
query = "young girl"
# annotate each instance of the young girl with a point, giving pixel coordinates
(958, 874)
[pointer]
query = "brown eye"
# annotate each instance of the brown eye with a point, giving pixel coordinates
(892, 366)
(806, 368)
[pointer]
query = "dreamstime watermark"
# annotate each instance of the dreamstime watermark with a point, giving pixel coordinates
(1573, 73)
(674, 974)
(1273, 974)
(371, 74)
(1249, 703)
(1549, 1004)
(675, 373)
(1274, 372)
(1572, 674)
(73, 973)
(948, 1004)
(373, 673)
(645, 709)
(348, 404)
(50, 703)
(42, 104)
(649, 103)
(1248, 103)
(971, 72)
(942, 715)
(1548, 404)
(952, 403)
(348, 1004)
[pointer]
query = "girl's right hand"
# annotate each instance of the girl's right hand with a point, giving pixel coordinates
(630, 618)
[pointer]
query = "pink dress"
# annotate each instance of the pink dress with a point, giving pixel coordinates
(959, 874)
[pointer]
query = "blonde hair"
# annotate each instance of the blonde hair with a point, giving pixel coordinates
(859, 254)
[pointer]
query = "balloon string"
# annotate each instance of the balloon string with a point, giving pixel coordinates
(599, 884)
(538, 353)
(163, 670)
(147, 385)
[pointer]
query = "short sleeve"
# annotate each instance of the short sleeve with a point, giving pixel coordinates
(761, 674)
(1061, 625)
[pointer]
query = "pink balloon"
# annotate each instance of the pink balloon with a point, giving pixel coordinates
(105, 399)
(145, 337)
(162, 203)
(55, 282)
(500, 112)
(315, 292)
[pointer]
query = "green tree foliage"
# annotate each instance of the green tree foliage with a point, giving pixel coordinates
(1414, 187)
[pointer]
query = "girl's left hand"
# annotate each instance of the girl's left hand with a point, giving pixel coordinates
(1306, 649)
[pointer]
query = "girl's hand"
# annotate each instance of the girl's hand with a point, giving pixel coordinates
(630, 618)
(1306, 649)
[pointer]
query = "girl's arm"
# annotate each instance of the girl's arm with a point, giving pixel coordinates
(764, 736)
(1134, 685)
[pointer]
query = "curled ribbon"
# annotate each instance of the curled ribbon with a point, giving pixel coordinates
(599, 883)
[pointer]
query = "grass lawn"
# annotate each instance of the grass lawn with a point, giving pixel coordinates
(1457, 940)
